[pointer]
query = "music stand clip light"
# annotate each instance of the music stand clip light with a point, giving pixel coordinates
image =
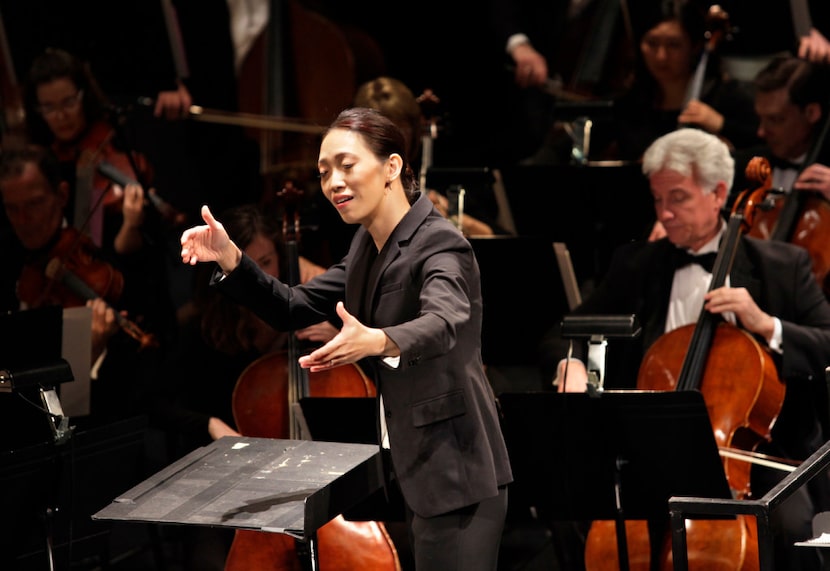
(31, 340)
(598, 328)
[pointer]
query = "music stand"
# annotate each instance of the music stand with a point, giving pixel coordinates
(49, 490)
(353, 419)
(618, 456)
(262, 484)
(31, 367)
(480, 198)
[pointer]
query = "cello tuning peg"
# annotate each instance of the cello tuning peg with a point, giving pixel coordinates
(289, 193)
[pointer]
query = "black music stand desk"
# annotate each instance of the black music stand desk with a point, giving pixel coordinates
(263, 484)
(575, 455)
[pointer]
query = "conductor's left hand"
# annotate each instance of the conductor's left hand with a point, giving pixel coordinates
(354, 342)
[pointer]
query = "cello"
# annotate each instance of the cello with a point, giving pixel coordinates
(264, 401)
(743, 394)
(718, 27)
(799, 217)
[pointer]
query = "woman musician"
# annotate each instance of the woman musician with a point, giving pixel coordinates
(67, 111)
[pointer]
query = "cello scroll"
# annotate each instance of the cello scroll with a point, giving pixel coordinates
(801, 218)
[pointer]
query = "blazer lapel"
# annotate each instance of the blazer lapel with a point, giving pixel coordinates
(359, 263)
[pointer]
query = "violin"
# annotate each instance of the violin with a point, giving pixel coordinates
(71, 273)
(119, 177)
(99, 164)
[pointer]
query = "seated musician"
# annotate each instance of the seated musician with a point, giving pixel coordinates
(193, 401)
(770, 292)
(67, 111)
(228, 337)
(791, 101)
(34, 198)
(662, 93)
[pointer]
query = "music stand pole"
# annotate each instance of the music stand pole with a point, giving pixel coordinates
(45, 377)
(308, 552)
(619, 520)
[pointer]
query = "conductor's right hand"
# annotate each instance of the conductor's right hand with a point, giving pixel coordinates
(210, 243)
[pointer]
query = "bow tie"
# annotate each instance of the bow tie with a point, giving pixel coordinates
(682, 258)
(784, 164)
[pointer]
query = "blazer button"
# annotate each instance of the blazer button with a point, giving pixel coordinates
(387, 413)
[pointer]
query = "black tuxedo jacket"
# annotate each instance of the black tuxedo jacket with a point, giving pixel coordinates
(778, 277)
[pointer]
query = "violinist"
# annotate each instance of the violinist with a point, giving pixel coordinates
(792, 99)
(34, 197)
(67, 111)
(409, 298)
(770, 293)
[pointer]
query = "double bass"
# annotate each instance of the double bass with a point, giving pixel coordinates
(743, 395)
(264, 403)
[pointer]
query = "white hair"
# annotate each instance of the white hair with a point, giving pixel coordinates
(692, 152)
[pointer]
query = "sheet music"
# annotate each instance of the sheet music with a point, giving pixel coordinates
(76, 347)
(566, 270)
(822, 540)
(455, 208)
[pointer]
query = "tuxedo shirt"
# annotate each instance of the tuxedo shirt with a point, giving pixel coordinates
(778, 277)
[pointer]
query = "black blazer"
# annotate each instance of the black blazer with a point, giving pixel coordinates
(446, 443)
(778, 277)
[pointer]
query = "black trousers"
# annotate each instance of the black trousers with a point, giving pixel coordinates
(466, 539)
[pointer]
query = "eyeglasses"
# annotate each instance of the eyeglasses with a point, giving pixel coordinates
(67, 104)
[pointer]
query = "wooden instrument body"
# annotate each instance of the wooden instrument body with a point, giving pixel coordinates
(743, 395)
(261, 409)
